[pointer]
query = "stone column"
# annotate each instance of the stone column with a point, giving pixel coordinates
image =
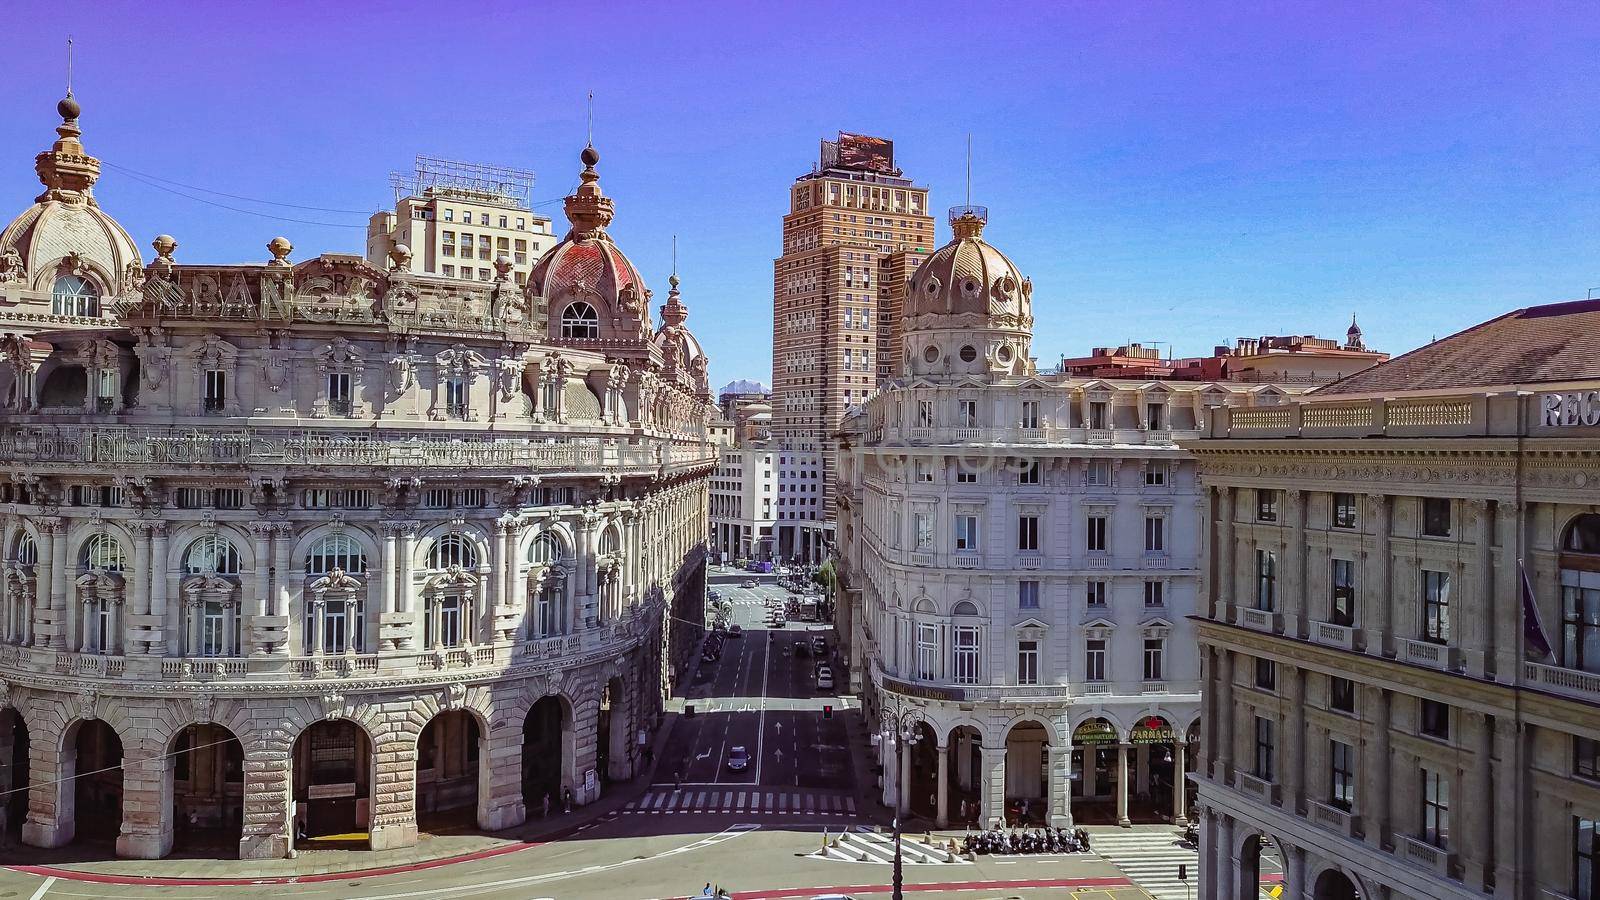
(267, 832)
(1060, 785)
(146, 803)
(1508, 831)
(1225, 866)
(44, 620)
(1122, 786)
(992, 794)
(403, 590)
(1226, 556)
(1477, 639)
(1380, 636)
(52, 816)
(260, 543)
(139, 589)
(1180, 784)
(158, 589)
(1224, 736)
(394, 791)
(1296, 608)
(500, 803)
(1295, 887)
(942, 788)
(1377, 766)
(1294, 770)
(1206, 878)
(903, 778)
(282, 534)
(1508, 605)
(386, 579)
(1478, 846)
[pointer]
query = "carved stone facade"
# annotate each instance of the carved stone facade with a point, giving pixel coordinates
(315, 546)
(1381, 574)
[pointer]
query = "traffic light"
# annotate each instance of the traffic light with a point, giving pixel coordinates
(827, 710)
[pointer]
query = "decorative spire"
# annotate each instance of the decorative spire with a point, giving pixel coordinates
(968, 221)
(1352, 336)
(673, 312)
(66, 170)
(588, 209)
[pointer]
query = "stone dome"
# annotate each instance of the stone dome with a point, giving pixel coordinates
(682, 357)
(968, 308)
(587, 267)
(65, 232)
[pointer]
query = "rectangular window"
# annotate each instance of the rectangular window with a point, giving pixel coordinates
(1342, 694)
(924, 413)
(965, 475)
(1267, 580)
(1155, 534)
(927, 651)
(436, 498)
(1155, 473)
(1580, 623)
(1344, 510)
(1155, 593)
(1436, 516)
(339, 393)
(1433, 719)
(1099, 418)
(1099, 473)
(922, 523)
(1028, 533)
(1096, 534)
(1028, 595)
(1030, 414)
(1435, 607)
(1155, 416)
(967, 413)
(966, 655)
(1027, 662)
(1094, 660)
(1342, 601)
(455, 397)
(1265, 749)
(1341, 775)
(1028, 473)
(449, 272)
(1586, 858)
(449, 216)
(216, 396)
(1585, 757)
(1095, 595)
(213, 630)
(1266, 674)
(1152, 658)
(1266, 506)
(966, 532)
(228, 498)
(924, 470)
(1435, 808)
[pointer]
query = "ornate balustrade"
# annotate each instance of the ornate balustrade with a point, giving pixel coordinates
(1003, 435)
(125, 446)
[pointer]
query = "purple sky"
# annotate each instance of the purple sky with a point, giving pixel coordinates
(1186, 173)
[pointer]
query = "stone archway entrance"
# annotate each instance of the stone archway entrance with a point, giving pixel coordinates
(544, 744)
(13, 774)
(447, 772)
(1333, 884)
(1152, 771)
(207, 790)
(1028, 774)
(615, 760)
(964, 764)
(333, 781)
(96, 770)
(922, 779)
(1094, 772)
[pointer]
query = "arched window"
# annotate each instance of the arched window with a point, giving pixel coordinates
(74, 296)
(211, 554)
(27, 550)
(452, 550)
(580, 322)
(964, 608)
(609, 542)
(103, 551)
(1580, 594)
(336, 551)
(545, 550)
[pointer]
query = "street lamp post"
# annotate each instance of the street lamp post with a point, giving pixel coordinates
(904, 727)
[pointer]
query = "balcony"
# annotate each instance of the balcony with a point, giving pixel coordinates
(339, 406)
(1574, 683)
(1420, 853)
(967, 435)
(1093, 688)
(1030, 561)
(1435, 656)
(1153, 687)
(1097, 559)
(965, 559)
(1261, 789)
(1335, 819)
(1331, 635)
(213, 406)
(105, 405)
(924, 560)
(1156, 559)
(1257, 619)
(1098, 436)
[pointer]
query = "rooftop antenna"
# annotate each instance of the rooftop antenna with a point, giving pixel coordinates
(69, 65)
(1590, 297)
(674, 256)
(591, 118)
(969, 168)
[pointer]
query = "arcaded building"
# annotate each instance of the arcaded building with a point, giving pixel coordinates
(1401, 624)
(321, 547)
(1020, 557)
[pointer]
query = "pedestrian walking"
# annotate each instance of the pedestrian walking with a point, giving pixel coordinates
(677, 778)
(566, 800)
(546, 814)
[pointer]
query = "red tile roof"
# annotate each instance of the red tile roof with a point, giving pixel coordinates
(1556, 342)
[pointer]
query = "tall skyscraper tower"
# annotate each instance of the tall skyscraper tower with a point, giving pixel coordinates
(856, 230)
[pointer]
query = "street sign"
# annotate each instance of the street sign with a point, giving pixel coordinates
(591, 780)
(1183, 871)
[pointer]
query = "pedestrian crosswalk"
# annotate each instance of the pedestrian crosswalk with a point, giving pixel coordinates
(1151, 856)
(869, 846)
(747, 800)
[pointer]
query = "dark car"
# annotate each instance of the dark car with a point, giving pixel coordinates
(801, 648)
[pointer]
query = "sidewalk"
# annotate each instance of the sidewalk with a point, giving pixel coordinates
(311, 864)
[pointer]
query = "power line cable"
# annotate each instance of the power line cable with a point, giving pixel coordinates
(248, 212)
(120, 765)
(194, 187)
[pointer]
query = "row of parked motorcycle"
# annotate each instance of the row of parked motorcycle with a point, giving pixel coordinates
(1027, 840)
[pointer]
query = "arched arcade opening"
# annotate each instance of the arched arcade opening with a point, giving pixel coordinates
(14, 781)
(207, 790)
(545, 738)
(95, 764)
(447, 772)
(1028, 774)
(1094, 772)
(332, 766)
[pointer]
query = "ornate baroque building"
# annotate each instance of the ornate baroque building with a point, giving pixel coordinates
(1401, 626)
(1019, 556)
(318, 547)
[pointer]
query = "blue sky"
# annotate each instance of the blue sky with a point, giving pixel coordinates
(1165, 172)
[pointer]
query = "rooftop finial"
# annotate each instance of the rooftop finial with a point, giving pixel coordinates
(674, 256)
(969, 168)
(69, 65)
(591, 118)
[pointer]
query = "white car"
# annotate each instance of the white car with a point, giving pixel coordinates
(748, 583)
(824, 679)
(781, 570)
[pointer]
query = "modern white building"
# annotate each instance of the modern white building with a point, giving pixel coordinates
(744, 491)
(1019, 557)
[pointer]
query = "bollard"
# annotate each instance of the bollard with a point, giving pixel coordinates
(824, 839)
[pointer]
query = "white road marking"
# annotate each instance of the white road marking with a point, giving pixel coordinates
(44, 888)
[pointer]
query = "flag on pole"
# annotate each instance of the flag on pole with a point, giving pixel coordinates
(1536, 645)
